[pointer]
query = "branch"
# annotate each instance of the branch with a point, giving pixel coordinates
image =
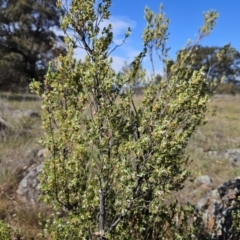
(118, 45)
(121, 216)
(102, 209)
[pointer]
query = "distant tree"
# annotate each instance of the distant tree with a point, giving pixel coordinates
(158, 78)
(219, 62)
(27, 40)
(137, 78)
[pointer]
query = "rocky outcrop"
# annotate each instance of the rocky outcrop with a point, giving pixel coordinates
(23, 165)
(28, 188)
(233, 155)
(218, 208)
(203, 180)
(195, 189)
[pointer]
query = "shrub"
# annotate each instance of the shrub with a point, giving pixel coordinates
(5, 231)
(111, 172)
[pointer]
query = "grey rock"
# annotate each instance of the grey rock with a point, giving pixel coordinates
(233, 151)
(42, 154)
(213, 153)
(201, 203)
(28, 189)
(31, 113)
(23, 166)
(214, 194)
(235, 160)
(204, 179)
(195, 195)
(225, 154)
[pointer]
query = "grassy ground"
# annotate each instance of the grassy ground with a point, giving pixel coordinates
(23, 134)
(220, 133)
(15, 143)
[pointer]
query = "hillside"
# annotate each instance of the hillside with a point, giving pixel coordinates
(213, 151)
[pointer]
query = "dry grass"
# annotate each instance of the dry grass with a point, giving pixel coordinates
(22, 136)
(220, 133)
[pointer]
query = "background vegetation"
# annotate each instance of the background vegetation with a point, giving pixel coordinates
(27, 41)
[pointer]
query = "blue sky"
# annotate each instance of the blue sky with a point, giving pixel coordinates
(185, 20)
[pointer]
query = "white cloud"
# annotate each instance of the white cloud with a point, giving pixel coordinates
(58, 31)
(131, 52)
(120, 25)
(117, 63)
(79, 53)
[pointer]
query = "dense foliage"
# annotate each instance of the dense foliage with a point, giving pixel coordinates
(114, 163)
(27, 41)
